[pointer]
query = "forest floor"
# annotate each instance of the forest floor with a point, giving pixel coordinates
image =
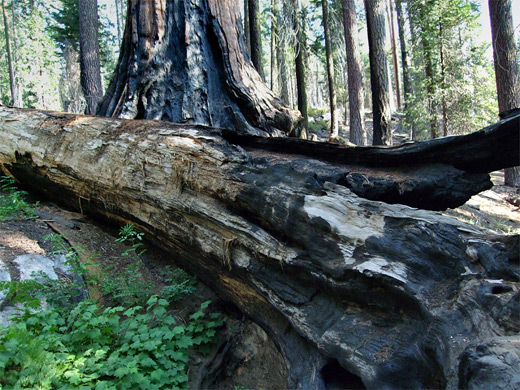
(242, 358)
(250, 359)
(497, 209)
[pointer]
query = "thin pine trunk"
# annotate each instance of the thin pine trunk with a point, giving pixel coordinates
(334, 128)
(506, 68)
(354, 75)
(379, 80)
(274, 33)
(407, 88)
(89, 55)
(118, 21)
(301, 69)
(443, 84)
(255, 39)
(247, 27)
(281, 61)
(12, 75)
(395, 62)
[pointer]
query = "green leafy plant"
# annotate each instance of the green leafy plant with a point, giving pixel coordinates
(22, 293)
(116, 347)
(127, 234)
(12, 200)
(178, 284)
(127, 286)
(89, 346)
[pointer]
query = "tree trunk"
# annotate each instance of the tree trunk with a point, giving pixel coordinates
(375, 12)
(506, 66)
(254, 32)
(70, 87)
(10, 64)
(247, 28)
(427, 32)
(393, 44)
(385, 296)
(358, 134)
(280, 57)
(118, 22)
(334, 129)
(274, 42)
(89, 54)
(182, 61)
(18, 87)
(407, 86)
(299, 24)
(443, 82)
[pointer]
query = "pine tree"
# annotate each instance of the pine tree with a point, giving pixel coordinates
(379, 80)
(354, 73)
(506, 67)
(89, 54)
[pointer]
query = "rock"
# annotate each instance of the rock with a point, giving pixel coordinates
(5, 276)
(494, 364)
(31, 265)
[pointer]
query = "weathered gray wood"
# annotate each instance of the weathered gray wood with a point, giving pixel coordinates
(392, 294)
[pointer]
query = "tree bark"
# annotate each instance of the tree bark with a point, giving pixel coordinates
(247, 28)
(10, 62)
(379, 81)
(89, 54)
(334, 129)
(407, 86)
(299, 24)
(387, 295)
(506, 66)
(70, 87)
(358, 134)
(275, 10)
(395, 62)
(183, 61)
(281, 58)
(254, 33)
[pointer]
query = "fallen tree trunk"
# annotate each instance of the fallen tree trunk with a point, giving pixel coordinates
(350, 289)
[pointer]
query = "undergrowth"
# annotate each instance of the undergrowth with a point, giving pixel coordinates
(12, 200)
(130, 343)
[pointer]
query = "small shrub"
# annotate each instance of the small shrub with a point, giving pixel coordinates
(178, 284)
(87, 346)
(116, 347)
(12, 200)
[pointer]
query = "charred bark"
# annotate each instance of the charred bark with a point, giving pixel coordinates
(183, 61)
(391, 296)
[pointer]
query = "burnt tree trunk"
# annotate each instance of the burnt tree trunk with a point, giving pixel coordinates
(183, 61)
(385, 295)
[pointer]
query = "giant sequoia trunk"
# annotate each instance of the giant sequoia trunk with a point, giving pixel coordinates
(354, 291)
(182, 61)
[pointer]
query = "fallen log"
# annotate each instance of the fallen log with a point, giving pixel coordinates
(353, 291)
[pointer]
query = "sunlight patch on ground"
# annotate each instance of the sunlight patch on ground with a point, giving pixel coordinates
(20, 242)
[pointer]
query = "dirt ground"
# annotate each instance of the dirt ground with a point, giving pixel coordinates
(497, 209)
(244, 357)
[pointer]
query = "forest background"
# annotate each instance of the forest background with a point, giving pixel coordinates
(450, 69)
